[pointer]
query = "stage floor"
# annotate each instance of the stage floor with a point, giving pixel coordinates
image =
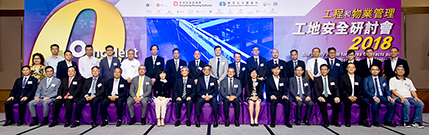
(208, 129)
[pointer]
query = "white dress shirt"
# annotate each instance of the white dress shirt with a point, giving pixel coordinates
(368, 62)
(352, 81)
(276, 81)
(85, 65)
(69, 63)
(130, 68)
(115, 87)
(393, 63)
(109, 61)
(51, 61)
(310, 65)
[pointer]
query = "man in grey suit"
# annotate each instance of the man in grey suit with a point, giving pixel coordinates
(300, 92)
(45, 94)
(140, 92)
(219, 65)
(230, 90)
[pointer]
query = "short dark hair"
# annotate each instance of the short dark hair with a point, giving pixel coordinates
(351, 51)
(26, 66)
(72, 67)
(217, 47)
(159, 72)
(399, 66)
(395, 48)
(49, 67)
(42, 59)
(67, 51)
(375, 66)
(369, 48)
(176, 49)
(208, 66)
(154, 45)
(55, 45)
(109, 46)
(298, 67)
(275, 66)
(90, 46)
(316, 48)
(351, 63)
(237, 53)
(255, 47)
(95, 67)
(119, 69)
(324, 65)
(294, 51)
(332, 48)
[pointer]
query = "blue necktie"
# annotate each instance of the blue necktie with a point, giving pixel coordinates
(24, 82)
(325, 88)
(218, 63)
(300, 88)
(376, 87)
(92, 92)
(316, 70)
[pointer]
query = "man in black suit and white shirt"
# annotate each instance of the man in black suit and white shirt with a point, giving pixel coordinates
(240, 68)
(277, 92)
(300, 91)
(395, 61)
(115, 92)
(62, 67)
(196, 67)
(351, 90)
(207, 90)
(184, 93)
(292, 64)
(153, 63)
(174, 66)
(326, 91)
(274, 61)
(257, 62)
(368, 62)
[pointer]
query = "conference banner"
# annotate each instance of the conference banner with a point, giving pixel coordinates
(235, 25)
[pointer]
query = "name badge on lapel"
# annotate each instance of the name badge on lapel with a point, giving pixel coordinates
(115, 64)
(52, 85)
(30, 82)
(133, 66)
(305, 84)
(223, 63)
(356, 83)
(211, 84)
(243, 68)
(200, 68)
(147, 83)
(332, 83)
(337, 64)
(384, 84)
(74, 83)
(158, 63)
(180, 67)
(256, 83)
(262, 64)
(188, 86)
(281, 67)
(121, 85)
(281, 84)
(99, 85)
(236, 86)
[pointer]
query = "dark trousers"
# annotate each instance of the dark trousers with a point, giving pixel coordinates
(94, 108)
(8, 106)
(235, 103)
(119, 103)
(273, 108)
(363, 107)
(189, 105)
(68, 103)
(308, 109)
(212, 103)
(376, 106)
(324, 108)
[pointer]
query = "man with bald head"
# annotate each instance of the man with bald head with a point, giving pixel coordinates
(140, 92)
(275, 53)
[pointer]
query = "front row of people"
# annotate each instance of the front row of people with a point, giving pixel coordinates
(349, 89)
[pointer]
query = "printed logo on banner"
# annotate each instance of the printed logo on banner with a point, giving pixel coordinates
(175, 3)
(222, 4)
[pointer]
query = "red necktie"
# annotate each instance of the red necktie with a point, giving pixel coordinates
(67, 95)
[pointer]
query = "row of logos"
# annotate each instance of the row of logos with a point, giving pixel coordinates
(221, 4)
(219, 11)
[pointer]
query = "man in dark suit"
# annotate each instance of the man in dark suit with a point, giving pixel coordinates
(115, 92)
(395, 61)
(92, 92)
(184, 93)
(300, 91)
(68, 94)
(278, 93)
(368, 62)
(351, 90)
(258, 63)
(22, 92)
(173, 66)
(277, 61)
(153, 63)
(207, 90)
(230, 91)
(292, 64)
(240, 68)
(62, 67)
(376, 93)
(326, 91)
(335, 65)
(351, 58)
(108, 64)
(196, 67)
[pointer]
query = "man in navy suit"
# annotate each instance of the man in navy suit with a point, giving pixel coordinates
(292, 64)
(108, 64)
(395, 61)
(368, 62)
(240, 68)
(153, 63)
(62, 67)
(196, 67)
(207, 90)
(335, 65)
(115, 92)
(277, 92)
(22, 92)
(258, 63)
(326, 91)
(174, 66)
(300, 91)
(184, 93)
(376, 93)
(230, 90)
(277, 61)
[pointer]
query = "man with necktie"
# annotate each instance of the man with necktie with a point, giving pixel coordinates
(257, 62)
(140, 92)
(313, 64)
(292, 64)
(207, 90)
(365, 64)
(174, 66)
(230, 91)
(153, 63)
(219, 65)
(196, 66)
(240, 68)
(300, 92)
(115, 92)
(334, 64)
(184, 93)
